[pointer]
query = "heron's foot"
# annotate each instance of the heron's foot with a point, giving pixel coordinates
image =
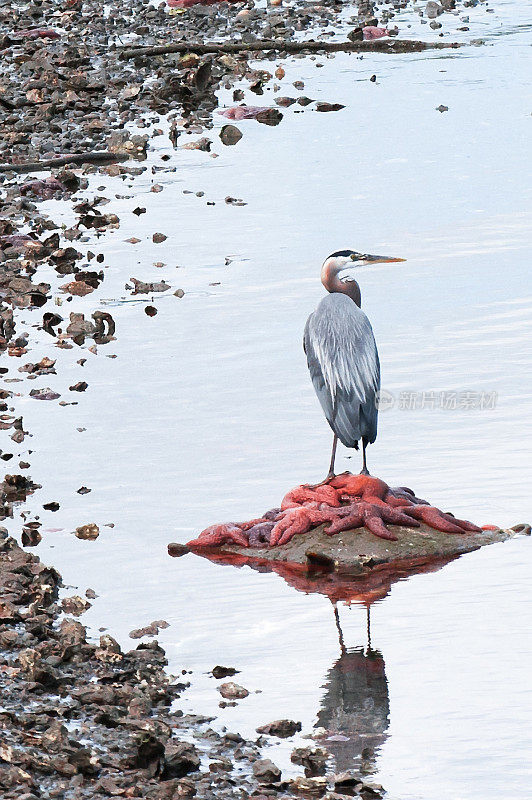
(216, 535)
(330, 477)
(324, 482)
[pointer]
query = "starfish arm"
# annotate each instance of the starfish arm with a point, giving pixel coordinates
(216, 535)
(463, 523)
(259, 535)
(404, 493)
(435, 518)
(295, 520)
(396, 502)
(250, 523)
(345, 523)
(305, 494)
(398, 517)
(375, 524)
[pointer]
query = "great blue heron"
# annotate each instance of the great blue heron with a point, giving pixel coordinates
(342, 355)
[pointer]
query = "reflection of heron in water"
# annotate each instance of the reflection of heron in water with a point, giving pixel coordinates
(339, 627)
(355, 708)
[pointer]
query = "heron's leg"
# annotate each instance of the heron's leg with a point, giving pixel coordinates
(339, 629)
(333, 457)
(368, 628)
(364, 470)
(331, 473)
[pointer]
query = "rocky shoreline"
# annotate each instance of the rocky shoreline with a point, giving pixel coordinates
(87, 720)
(57, 97)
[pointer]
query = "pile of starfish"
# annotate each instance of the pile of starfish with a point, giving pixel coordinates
(343, 503)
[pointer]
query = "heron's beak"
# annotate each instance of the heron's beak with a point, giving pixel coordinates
(369, 259)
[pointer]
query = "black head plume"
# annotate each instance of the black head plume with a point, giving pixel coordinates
(343, 254)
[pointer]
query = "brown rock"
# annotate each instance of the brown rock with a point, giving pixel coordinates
(89, 531)
(8, 613)
(223, 672)
(149, 630)
(75, 605)
(230, 135)
(313, 759)
(77, 288)
(329, 106)
(176, 550)
(72, 633)
(265, 771)
(232, 691)
(311, 787)
(180, 758)
(94, 694)
(283, 728)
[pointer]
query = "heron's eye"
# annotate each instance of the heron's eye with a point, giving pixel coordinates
(353, 256)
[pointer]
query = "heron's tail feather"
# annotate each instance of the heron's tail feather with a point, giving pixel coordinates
(368, 421)
(346, 421)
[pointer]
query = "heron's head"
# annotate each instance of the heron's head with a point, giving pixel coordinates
(337, 268)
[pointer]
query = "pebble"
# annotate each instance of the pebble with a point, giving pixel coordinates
(266, 771)
(230, 135)
(282, 728)
(223, 672)
(232, 691)
(90, 531)
(433, 9)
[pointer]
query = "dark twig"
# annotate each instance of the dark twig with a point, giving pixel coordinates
(103, 157)
(377, 46)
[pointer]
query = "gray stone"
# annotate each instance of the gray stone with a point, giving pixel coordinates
(265, 771)
(433, 10)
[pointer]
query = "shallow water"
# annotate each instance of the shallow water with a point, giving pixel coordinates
(208, 414)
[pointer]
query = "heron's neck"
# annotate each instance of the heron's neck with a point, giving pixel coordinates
(332, 283)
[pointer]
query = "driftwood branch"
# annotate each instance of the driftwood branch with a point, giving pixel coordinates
(376, 46)
(103, 157)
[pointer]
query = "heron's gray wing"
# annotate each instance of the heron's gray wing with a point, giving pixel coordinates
(316, 372)
(344, 367)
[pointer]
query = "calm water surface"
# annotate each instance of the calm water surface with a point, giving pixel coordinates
(208, 414)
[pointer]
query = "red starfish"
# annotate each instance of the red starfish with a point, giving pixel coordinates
(371, 503)
(259, 535)
(306, 494)
(372, 516)
(300, 520)
(440, 520)
(402, 496)
(215, 535)
(363, 486)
